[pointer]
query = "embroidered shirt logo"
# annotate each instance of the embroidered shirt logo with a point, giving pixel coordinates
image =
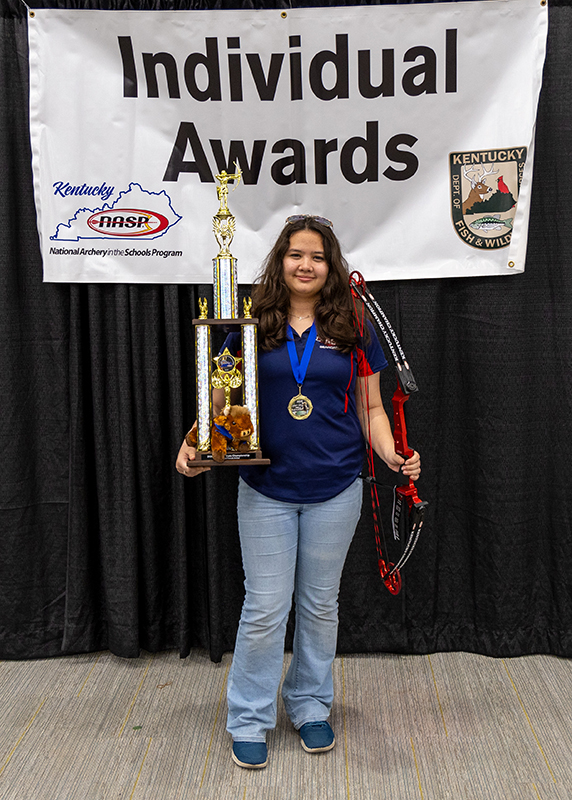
(484, 194)
(327, 344)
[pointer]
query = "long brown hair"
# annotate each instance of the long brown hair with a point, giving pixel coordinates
(271, 299)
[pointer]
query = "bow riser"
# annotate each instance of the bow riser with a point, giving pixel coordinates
(399, 427)
(408, 492)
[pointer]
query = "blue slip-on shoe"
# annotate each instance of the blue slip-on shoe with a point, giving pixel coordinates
(250, 755)
(317, 737)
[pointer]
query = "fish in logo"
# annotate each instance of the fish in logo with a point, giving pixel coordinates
(494, 223)
(484, 194)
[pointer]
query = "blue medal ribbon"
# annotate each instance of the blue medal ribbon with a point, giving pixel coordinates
(299, 368)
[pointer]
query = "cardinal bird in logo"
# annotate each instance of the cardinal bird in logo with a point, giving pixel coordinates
(502, 186)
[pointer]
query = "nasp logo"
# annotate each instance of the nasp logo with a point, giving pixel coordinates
(128, 222)
(484, 193)
(136, 214)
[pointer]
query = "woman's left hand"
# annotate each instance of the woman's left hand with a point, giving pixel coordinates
(411, 467)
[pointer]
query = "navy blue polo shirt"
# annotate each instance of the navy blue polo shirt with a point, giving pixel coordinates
(313, 459)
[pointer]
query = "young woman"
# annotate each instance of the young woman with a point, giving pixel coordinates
(297, 517)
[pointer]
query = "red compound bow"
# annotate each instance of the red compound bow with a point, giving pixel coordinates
(405, 495)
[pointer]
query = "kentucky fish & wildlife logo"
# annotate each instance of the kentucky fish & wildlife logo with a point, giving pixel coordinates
(484, 193)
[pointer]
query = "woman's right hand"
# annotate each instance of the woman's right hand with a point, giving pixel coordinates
(184, 463)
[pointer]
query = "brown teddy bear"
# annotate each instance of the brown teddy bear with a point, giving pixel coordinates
(231, 430)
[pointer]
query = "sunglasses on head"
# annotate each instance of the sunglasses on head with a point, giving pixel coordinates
(299, 217)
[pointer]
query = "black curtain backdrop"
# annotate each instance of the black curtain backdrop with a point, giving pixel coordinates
(105, 546)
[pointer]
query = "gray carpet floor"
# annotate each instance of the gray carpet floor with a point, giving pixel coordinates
(450, 725)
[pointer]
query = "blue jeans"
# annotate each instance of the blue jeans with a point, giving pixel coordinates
(288, 549)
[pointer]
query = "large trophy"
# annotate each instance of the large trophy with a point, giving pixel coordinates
(230, 437)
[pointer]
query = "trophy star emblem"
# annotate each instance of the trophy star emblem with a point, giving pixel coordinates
(226, 362)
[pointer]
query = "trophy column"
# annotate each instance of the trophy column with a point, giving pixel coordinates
(225, 285)
(203, 361)
(250, 369)
(226, 376)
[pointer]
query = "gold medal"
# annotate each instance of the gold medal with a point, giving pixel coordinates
(300, 407)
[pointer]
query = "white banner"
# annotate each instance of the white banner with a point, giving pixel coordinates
(410, 127)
